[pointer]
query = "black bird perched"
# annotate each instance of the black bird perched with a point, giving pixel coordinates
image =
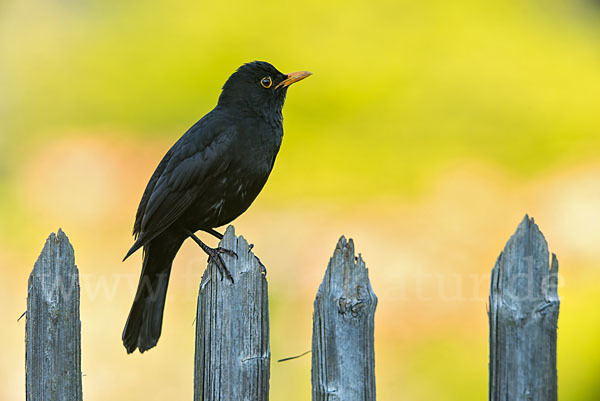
(209, 177)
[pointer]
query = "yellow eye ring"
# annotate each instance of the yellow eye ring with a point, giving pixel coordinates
(266, 82)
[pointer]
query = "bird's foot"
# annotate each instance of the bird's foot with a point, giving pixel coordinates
(263, 269)
(214, 255)
(226, 251)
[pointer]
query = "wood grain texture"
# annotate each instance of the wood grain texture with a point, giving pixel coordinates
(343, 357)
(233, 358)
(53, 328)
(523, 317)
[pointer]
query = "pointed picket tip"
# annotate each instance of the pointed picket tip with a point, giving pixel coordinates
(343, 355)
(53, 324)
(523, 315)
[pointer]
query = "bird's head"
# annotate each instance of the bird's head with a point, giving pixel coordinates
(259, 86)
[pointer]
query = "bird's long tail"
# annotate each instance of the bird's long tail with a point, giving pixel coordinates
(144, 323)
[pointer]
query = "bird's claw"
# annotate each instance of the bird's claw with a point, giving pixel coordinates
(226, 251)
(263, 269)
(214, 255)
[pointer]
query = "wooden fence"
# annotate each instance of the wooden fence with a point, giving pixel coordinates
(232, 359)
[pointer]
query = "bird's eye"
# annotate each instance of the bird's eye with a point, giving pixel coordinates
(266, 82)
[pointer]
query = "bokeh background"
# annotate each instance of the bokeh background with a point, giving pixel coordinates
(426, 133)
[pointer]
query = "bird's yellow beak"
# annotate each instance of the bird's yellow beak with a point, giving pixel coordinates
(293, 77)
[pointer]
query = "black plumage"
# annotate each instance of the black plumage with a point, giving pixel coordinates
(209, 177)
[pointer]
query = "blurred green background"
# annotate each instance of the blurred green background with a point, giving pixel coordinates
(426, 133)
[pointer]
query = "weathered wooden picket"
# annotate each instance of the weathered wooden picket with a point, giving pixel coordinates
(53, 328)
(232, 326)
(523, 319)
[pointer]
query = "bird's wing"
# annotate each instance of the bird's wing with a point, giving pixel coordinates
(137, 226)
(182, 176)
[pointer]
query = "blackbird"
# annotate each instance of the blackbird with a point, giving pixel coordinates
(209, 177)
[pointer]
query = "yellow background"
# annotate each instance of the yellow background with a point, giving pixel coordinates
(426, 133)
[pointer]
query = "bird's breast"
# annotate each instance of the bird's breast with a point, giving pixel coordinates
(250, 160)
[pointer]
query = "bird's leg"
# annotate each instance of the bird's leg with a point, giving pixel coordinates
(213, 232)
(214, 255)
